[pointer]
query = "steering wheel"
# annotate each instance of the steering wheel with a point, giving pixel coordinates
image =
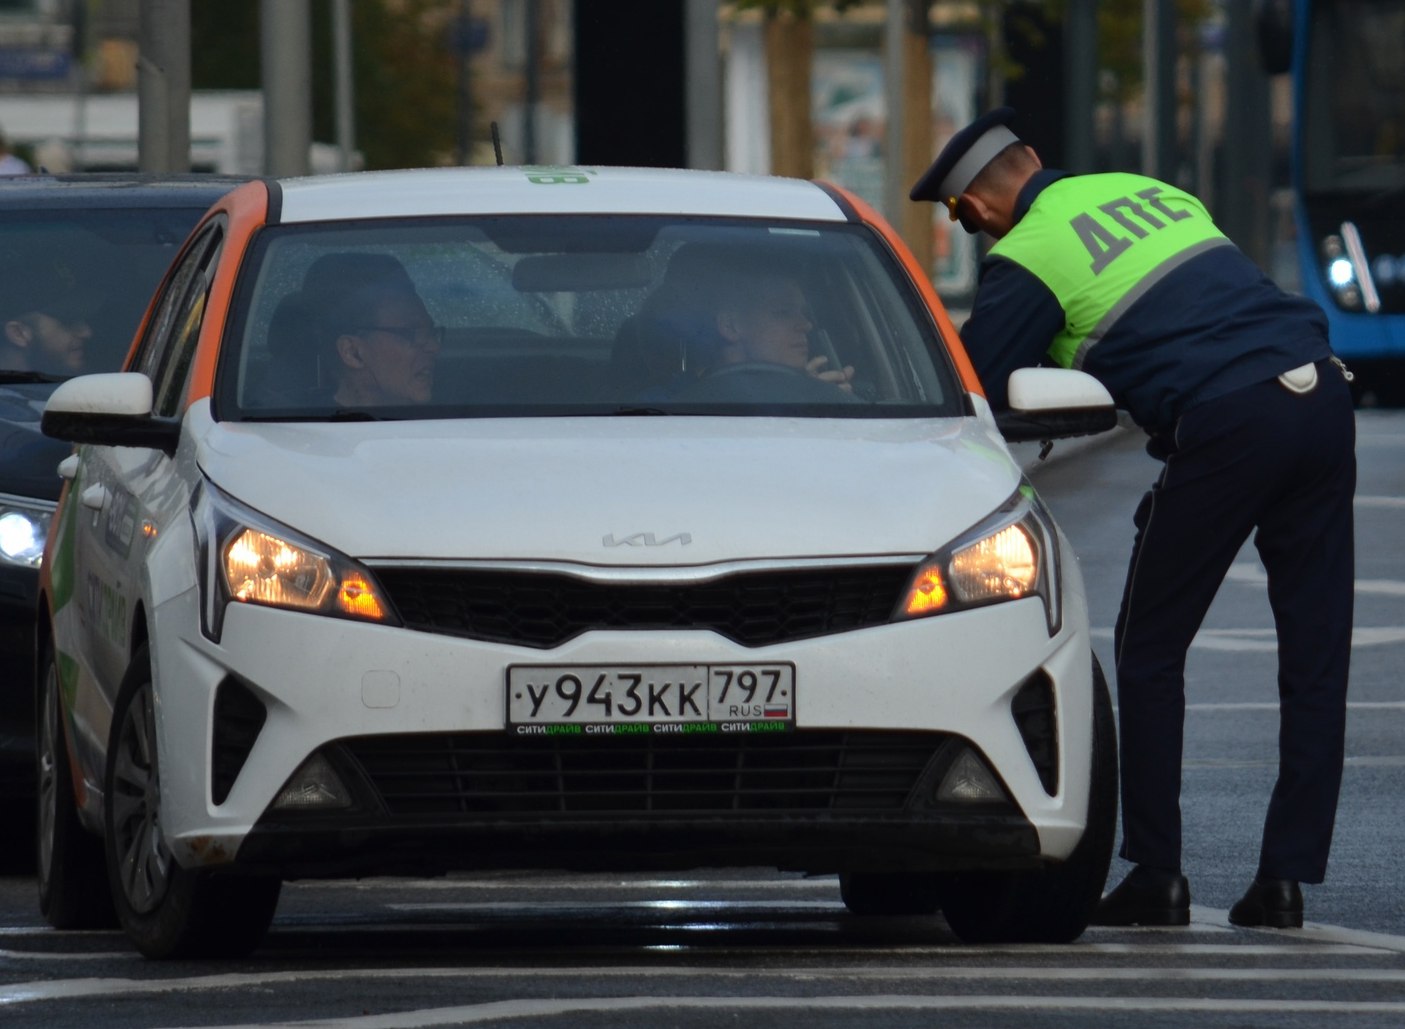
(764, 382)
(754, 367)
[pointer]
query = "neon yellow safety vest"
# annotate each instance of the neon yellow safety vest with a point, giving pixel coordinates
(1098, 242)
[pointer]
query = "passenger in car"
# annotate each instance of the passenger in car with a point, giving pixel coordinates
(45, 318)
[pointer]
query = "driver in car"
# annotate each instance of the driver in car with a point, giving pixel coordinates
(764, 318)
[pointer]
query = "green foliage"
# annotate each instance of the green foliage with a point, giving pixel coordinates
(403, 72)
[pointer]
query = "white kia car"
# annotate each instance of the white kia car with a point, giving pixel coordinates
(560, 518)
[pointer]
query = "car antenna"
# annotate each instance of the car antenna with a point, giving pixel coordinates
(497, 143)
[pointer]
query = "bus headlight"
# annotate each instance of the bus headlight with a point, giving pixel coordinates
(1346, 271)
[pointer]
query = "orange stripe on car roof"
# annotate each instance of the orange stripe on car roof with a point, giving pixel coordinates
(247, 212)
(920, 279)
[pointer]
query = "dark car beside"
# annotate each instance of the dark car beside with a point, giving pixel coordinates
(89, 250)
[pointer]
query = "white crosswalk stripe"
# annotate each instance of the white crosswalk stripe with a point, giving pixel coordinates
(1210, 970)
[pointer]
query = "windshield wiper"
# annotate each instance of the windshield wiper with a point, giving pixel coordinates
(339, 415)
(8, 375)
(639, 410)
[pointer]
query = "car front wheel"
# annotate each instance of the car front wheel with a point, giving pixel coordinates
(1051, 904)
(167, 911)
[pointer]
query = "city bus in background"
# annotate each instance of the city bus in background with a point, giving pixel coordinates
(1345, 241)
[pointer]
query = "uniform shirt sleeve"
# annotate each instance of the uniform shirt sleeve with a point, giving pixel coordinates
(1013, 322)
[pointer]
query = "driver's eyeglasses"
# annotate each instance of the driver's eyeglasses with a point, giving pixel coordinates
(416, 335)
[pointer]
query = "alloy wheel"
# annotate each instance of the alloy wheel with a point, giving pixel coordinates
(145, 863)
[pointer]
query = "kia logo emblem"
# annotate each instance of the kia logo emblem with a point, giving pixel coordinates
(646, 539)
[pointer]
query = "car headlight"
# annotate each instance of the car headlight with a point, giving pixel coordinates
(1010, 556)
(248, 558)
(24, 525)
(1347, 272)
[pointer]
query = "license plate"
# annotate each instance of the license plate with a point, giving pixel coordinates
(617, 699)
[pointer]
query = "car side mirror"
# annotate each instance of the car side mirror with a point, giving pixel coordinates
(1055, 403)
(110, 409)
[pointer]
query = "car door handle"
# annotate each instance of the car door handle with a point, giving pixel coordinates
(68, 467)
(94, 497)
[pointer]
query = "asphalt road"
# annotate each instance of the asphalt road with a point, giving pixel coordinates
(756, 946)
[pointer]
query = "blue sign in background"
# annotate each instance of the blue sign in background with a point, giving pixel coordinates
(34, 63)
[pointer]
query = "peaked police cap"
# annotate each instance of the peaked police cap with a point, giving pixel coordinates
(962, 159)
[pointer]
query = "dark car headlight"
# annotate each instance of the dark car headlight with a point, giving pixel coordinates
(1011, 555)
(24, 525)
(248, 558)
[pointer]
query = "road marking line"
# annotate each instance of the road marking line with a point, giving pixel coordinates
(71, 989)
(1272, 705)
(498, 1010)
(1317, 939)
(1252, 573)
(1266, 640)
(585, 882)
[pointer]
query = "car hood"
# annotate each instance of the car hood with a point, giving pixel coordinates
(617, 491)
(28, 459)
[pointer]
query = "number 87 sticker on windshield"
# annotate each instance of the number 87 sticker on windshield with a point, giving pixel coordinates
(619, 699)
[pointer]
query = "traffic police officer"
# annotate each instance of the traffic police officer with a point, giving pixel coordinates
(1128, 279)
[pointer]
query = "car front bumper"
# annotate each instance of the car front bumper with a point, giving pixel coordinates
(414, 725)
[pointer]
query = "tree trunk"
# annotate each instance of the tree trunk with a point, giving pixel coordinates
(914, 221)
(790, 46)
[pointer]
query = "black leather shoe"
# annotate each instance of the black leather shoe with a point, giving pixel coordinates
(1148, 896)
(1273, 903)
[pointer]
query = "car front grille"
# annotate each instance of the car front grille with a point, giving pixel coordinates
(685, 774)
(545, 610)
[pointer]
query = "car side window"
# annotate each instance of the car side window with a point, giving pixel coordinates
(168, 349)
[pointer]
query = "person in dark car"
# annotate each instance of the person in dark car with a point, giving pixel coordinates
(46, 323)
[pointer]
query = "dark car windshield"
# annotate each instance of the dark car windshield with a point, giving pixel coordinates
(74, 283)
(525, 316)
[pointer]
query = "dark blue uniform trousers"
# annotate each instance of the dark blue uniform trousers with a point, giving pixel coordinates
(1282, 465)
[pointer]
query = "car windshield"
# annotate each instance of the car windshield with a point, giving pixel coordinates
(74, 284)
(540, 316)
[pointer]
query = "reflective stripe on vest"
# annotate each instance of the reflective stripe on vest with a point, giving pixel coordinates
(1101, 241)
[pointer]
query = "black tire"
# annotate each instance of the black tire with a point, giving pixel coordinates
(72, 881)
(1052, 904)
(887, 894)
(167, 911)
